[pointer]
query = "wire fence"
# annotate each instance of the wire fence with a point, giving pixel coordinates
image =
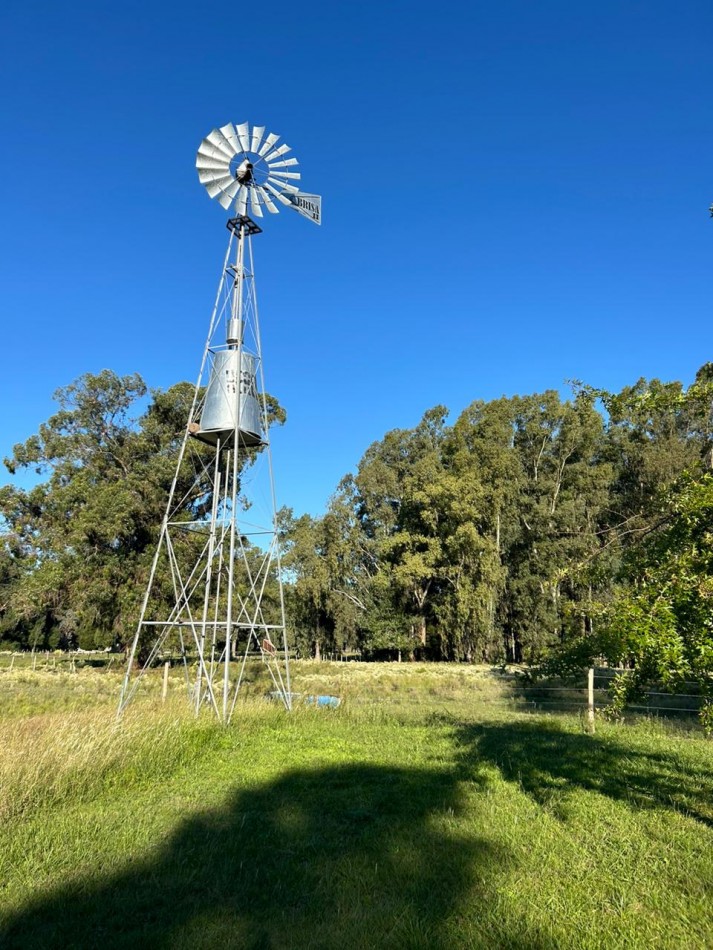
(570, 697)
(544, 695)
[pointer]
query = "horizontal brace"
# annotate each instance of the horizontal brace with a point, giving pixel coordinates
(211, 623)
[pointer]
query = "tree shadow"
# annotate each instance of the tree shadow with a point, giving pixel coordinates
(354, 856)
(548, 761)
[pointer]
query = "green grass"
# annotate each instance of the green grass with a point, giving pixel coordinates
(428, 811)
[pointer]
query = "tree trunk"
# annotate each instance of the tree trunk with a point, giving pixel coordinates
(422, 631)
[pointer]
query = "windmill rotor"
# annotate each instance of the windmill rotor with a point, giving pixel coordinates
(245, 169)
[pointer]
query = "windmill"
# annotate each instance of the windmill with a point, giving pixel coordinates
(214, 593)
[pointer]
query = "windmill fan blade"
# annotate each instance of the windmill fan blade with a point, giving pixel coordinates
(277, 194)
(220, 143)
(282, 150)
(243, 200)
(258, 132)
(267, 144)
(255, 204)
(225, 142)
(209, 153)
(232, 136)
(204, 164)
(266, 198)
(236, 197)
(220, 184)
(217, 158)
(243, 132)
(225, 200)
(222, 139)
(283, 164)
(209, 174)
(283, 186)
(295, 175)
(233, 188)
(229, 193)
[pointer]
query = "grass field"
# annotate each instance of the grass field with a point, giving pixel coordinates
(428, 811)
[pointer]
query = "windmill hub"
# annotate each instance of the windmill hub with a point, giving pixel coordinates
(244, 172)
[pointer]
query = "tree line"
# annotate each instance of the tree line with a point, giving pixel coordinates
(508, 532)
(530, 526)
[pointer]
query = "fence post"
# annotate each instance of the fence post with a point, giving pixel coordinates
(164, 691)
(590, 699)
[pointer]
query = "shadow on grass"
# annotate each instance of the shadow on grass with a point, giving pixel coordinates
(357, 856)
(548, 760)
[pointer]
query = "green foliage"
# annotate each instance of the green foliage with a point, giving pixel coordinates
(706, 718)
(77, 546)
(663, 625)
(531, 527)
(659, 620)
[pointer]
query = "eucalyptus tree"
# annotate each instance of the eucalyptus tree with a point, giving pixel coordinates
(564, 488)
(394, 499)
(77, 545)
(78, 531)
(655, 431)
(328, 567)
(480, 502)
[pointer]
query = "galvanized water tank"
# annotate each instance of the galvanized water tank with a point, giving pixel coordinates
(228, 388)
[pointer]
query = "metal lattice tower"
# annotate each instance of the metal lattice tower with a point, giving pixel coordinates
(214, 593)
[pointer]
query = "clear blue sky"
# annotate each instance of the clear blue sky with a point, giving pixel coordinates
(515, 194)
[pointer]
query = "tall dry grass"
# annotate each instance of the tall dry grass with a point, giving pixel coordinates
(73, 756)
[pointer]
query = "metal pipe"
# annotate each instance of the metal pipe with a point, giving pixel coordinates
(208, 573)
(234, 486)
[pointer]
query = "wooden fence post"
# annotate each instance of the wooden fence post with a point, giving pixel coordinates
(164, 691)
(590, 699)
